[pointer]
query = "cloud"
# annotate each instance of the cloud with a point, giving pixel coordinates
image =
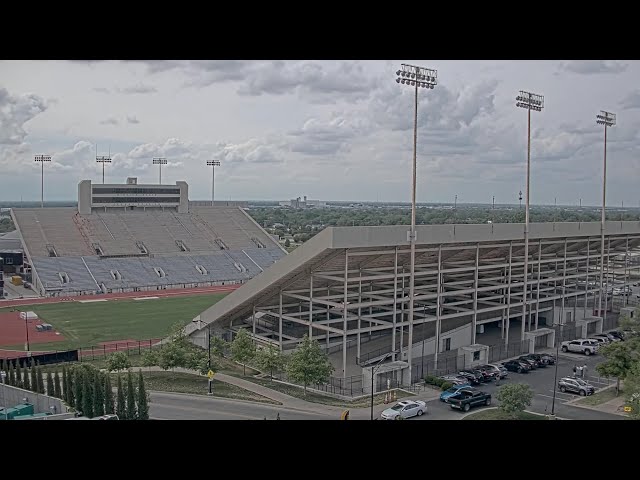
(15, 111)
(77, 159)
(132, 119)
(318, 137)
(109, 121)
(137, 89)
(101, 90)
(589, 67)
(631, 100)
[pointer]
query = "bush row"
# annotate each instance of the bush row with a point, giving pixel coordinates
(438, 382)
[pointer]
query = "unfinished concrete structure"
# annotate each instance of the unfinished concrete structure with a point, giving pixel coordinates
(348, 288)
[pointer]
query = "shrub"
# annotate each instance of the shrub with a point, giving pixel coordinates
(446, 386)
(430, 380)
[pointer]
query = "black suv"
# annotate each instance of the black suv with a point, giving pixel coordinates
(517, 366)
(530, 361)
(474, 376)
(540, 362)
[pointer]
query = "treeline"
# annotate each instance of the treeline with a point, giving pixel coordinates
(84, 388)
(304, 224)
(6, 225)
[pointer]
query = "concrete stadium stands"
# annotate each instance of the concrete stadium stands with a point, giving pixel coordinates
(112, 252)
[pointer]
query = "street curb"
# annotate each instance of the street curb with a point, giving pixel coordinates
(198, 395)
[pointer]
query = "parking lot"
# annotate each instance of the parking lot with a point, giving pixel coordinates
(542, 382)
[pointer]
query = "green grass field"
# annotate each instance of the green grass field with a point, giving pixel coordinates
(497, 414)
(87, 324)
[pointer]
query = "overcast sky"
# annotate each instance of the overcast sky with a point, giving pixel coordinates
(331, 130)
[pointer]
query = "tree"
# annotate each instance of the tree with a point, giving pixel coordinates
(65, 390)
(131, 397)
(308, 364)
(149, 358)
(198, 359)
(11, 376)
(33, 374)
(87, 394)
(218, 346)
(70, 388)
(243, 349)
(98, 394)
(287, 243)
(108, 395)
(4, 367)
(118, 361)
(26, 384)
(19, 381)
(632, 390)
(514, 398)
(121, 407)
(77, 388)
(40, 379)
(50, 385)
(57, 391)
(143, 399)
(620, 358)
(171, 355)
(270, 359)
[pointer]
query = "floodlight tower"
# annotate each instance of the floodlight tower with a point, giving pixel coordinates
(417, 77)
(530, 101)
(520, 198)
(160, 161)
(102, 159)
(607, 119)
(213, 164)
(42, 159)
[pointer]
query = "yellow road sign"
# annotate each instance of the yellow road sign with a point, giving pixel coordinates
(210, 374)
(627, 409)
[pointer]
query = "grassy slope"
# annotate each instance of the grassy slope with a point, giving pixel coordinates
(497, 414)
(86, 324)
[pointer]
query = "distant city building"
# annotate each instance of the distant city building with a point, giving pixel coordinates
(303, 203)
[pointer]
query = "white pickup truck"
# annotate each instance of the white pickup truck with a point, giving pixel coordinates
(586, 346)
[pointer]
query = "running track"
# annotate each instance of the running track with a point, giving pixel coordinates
(119, 296)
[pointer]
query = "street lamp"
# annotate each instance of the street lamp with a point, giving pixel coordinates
(424, 78)
(373, 374)
(607, 119)
(530, 101)
(160, 161)
(555, 377)
(213, 164)
(102, 159)
(26, 329)
(41, 159)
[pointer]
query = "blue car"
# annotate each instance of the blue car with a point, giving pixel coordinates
(444, 396)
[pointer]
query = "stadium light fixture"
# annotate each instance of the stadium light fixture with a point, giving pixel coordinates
(160, 161)
(102, 159)
(607, 119)
(529, 101)
(430, 77)
(42, 159)
(213, 164)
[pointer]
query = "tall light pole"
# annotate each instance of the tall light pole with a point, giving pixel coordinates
(530, 101)
(160, 161)
(607, 119)
(424, 78)
(42, 159)
(520, 197)
(373, 374)
(102, 159)
(555, 376)
(213, 164)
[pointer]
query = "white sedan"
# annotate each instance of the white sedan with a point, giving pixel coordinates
(406, 409)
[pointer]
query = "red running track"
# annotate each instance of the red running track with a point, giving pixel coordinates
(118, 296)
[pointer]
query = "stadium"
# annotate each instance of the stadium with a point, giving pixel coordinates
(133, 237)
(348, 288)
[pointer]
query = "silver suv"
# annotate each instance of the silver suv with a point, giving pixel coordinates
(586, 346)
(576, 385)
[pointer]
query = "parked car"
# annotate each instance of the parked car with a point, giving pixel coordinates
(405, 409)
(588, 347)
(444, 396)
(551, 360)
(530, 361)
(455, 379)
(475, 378)
(467, 398)
(540, 362)
(575, 385)
(601, 340)
(617, 334)
(495, 370)
(604, 336)
(487, 375)
(517, 366)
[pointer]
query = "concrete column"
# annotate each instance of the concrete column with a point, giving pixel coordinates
(506, 330)
(344, 314)
(253, 320)
(328, 315)
(438, 303)
(359, 314)
(626, 268)
(606, 283)
(475, 297)
(395, 303)
(586, 281)
(402, 315)
(538, 290)
(280, 321)
(564, 283)
(311, 306)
